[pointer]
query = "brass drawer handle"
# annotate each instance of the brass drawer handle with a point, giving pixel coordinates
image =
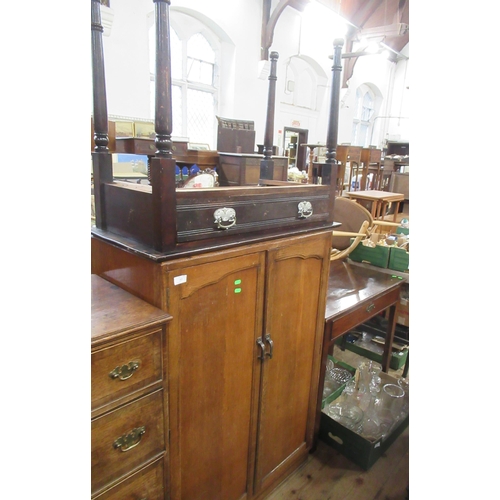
(124, 372)
(370, 308)
(130, 440)
(305, 209)
(225, 217)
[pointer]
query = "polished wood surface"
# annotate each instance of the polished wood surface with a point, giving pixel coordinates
(350, 285)
(128, 391)
(115, 312)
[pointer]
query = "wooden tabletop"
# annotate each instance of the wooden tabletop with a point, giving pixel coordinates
(374, 195)
(349, 286)
(116, 311)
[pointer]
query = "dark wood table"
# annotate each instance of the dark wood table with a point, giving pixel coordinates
(356, 294)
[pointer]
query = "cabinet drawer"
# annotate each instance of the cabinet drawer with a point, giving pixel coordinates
(362, 313)
(115, 450)
(148, 483)
(124, 368)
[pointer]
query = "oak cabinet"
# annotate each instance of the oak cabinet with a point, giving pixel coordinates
(244, 350)
(128, 411)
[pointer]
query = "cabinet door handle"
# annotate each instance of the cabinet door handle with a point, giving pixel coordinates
(124, 372)
(262, 347)
(370, 308)
(130, 440)
(271, 345)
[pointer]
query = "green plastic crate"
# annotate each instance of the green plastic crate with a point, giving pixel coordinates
(356, 448)
(399, 260)
(335, 394)
(376, 256)
(398, 358)
(403, 230)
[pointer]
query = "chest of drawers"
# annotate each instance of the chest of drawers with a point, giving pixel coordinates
(129, 419)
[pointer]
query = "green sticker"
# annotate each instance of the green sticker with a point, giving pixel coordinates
(237, 290)
(237, 282)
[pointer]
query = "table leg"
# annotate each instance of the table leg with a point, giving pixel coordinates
(327, 345)
(389, 337)
(396, 211)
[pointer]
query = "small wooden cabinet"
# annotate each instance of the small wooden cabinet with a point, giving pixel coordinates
(244, 356)
(128, 412)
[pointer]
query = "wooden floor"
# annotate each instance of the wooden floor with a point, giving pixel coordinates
(328, 475)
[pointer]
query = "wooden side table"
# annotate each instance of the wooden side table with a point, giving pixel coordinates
(356, 294)
(378, 200)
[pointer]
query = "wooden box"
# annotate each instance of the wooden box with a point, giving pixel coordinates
(243, 169)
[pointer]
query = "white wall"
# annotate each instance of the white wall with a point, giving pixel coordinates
(243, 94)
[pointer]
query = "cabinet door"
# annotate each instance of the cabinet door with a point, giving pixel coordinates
(294, 316)
(214, 373)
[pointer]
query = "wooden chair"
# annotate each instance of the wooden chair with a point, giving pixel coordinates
(357, 222)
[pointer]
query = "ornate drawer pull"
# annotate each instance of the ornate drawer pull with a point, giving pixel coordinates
(305, 209)
(130, 440)
(370, 308)
(225, 217)
(124, 372)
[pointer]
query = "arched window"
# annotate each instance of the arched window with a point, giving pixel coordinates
(363, 116)
(194, 86)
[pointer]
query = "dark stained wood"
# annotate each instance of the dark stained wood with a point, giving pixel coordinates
(267, 163)
(158, 218)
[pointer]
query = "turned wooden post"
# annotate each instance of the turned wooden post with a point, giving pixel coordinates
(102, 163)
(267, 163)
(330, 167)
(162, 168)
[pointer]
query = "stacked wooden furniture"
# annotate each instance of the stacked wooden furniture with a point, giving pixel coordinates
(371, 159)
(243, 271)
(347, 155)
(129, 414)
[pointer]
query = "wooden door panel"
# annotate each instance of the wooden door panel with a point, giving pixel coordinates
(217, 310)
(293, 302)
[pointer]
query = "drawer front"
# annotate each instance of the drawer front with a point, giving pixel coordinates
(126, 439)
(124, 368)
(252, 210)
(148, 484)
(363, 313)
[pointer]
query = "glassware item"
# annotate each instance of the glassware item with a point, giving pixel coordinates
(350, 416)
(391, 401)
(392, 397)
(329, 387)
(404, 383)
(366, 343)
(371, 422)
(340, 375)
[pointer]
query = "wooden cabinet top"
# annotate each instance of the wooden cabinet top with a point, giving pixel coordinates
(350, 286)
(117, 312)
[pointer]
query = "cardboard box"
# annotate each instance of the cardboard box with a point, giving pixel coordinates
(403, 310)
(335, 394)
(376, 256)
(355, 447)
(399, 260)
